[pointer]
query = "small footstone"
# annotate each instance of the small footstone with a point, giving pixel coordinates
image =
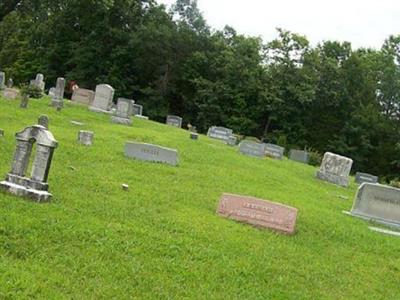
(77, 123)
(85, 137)
(125, 187)
(24, 101)
(1, 132)
(194, 136)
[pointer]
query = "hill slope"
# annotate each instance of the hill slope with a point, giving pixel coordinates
(162, 238)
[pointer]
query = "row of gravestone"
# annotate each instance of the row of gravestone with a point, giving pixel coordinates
(373, 201)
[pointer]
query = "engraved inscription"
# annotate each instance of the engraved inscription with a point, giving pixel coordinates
(258, 212)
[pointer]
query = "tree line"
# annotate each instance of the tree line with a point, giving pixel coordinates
(328, 97)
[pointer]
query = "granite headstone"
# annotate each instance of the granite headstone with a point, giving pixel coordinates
(258, 212)
(153, 153)
(335, 169)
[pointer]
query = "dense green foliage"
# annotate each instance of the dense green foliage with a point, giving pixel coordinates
(162, 239)
(328, 98)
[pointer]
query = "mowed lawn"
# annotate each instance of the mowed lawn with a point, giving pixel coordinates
(162, 239)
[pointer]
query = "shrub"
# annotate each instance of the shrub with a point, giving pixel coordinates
(315, 157)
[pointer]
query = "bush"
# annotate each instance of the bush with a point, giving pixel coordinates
(315, 157)
(32, 91)
(395, 183)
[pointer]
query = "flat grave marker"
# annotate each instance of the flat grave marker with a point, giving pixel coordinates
(258, 212)
(152, 153)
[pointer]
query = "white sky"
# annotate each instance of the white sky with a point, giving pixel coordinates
(364, 23)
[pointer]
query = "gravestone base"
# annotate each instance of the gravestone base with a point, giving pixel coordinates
(26, 192)
(122, 121)
(98, 110)
(142, 117)
(57, 103)
(332, 178)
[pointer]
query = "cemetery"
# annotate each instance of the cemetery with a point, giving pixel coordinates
(145, 154)
(209, 195)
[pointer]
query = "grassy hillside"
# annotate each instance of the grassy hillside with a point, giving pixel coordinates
(162, 238)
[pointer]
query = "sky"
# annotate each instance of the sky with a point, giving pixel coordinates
(363, 23)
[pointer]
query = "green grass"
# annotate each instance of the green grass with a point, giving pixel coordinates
(162, 239)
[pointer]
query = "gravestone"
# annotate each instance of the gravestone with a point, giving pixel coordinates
(123, 112)
(39, 82)
(103, 98)
(57, 99)
(194, 136)
(52, 92)
(335, 169)
(365, 177)
(153, 153)
(252, 148)
(377, 202)
(11, 94)
(274, 151)
(258, 212)
(174, 121)
(1, 132)
(220, 133)
(24, 101)
(44, 121)
(10, 83)
(35, 187)
(83, 96)
(137, 110)
(299, 156)
(2, 80)
(85, 137)
(232, 140)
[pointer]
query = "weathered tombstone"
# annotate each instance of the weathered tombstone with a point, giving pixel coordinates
(10, 83)
(232, 140)
(35, 187)
(365, 177)
(39, 82)
(252, 148)
(103, 99)
(44, 121)
(123, 113)
(258, 212)
(137, 110)
(378, 203)
(11, 94)
(2, 80)
(194, 136)
(274, 151)
(335, 169)
(85, 137)
(58, 99)
(299, 156)
(83, 96)
(153, 153)
(220, 133)
(24, 101)
(52, 92)
(174, 121)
